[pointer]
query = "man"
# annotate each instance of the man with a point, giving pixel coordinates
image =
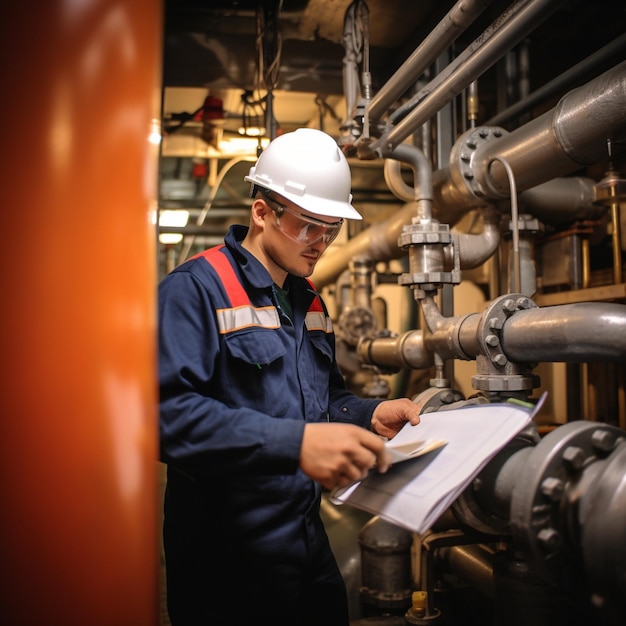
(255, 416)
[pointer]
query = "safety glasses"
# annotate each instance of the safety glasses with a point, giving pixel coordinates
(301, 228)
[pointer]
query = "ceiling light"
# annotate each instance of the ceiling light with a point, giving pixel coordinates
(172, 219)
(252, 131)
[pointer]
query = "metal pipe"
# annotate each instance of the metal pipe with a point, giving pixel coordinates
(475, 249)
(570, 333)
(455, 22)
(532, 167)
(581, 71)
(380, 242)
(516, 22)
(423, 188)
(561, 200)
(581, 332)
(405, 351)
(560, 141)
(473, 564)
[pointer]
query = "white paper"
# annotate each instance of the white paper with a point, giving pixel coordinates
(404, 449)
(413, 494)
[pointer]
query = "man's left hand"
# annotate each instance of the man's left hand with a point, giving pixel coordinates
(391, 415)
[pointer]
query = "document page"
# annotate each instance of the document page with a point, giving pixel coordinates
(414, 493)
(409, 447)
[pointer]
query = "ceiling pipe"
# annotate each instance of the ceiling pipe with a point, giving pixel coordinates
(513, 25)
(455, 22)
(587, 68)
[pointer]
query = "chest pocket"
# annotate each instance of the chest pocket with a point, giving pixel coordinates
(255, 347)
(253, 371)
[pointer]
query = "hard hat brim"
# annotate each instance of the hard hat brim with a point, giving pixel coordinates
(312, 204)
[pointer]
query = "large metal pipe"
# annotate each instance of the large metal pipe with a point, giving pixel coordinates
(572, 135)
(78, 434)
(569, 333)
(586, 69)
(600, 100)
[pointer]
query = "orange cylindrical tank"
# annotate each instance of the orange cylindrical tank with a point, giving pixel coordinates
(78, 424)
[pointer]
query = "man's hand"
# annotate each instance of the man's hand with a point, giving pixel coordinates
(391, 415)
(336, 455)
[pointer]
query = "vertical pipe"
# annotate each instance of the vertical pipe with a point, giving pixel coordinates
(78, 435)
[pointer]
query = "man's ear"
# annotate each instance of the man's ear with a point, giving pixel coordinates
(258, 212)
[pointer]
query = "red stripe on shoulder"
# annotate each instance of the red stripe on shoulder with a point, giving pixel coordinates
(222, 265)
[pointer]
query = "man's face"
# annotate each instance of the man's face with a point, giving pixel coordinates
(296, 238)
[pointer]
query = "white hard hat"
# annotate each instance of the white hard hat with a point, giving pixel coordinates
(308, 168)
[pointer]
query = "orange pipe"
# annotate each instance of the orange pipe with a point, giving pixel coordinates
(78, 434)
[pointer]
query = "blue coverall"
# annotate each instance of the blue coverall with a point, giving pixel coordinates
(243, 535)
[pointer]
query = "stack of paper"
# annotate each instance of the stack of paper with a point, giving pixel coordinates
(419, 487)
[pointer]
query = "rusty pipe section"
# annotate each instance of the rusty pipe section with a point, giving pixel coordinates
(575, 333)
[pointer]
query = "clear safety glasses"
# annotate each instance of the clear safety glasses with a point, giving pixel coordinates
(301, 228)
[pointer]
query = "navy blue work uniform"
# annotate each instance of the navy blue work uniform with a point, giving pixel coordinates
(239, 378)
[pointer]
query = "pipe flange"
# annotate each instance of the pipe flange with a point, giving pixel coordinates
(429, 280)
(602, 538)
(425, 240)
(437, 398)
(546, 501)
(424, 232)
(494, 370)
(462, 159)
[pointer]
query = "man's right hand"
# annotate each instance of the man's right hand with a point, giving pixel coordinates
(336, 455)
